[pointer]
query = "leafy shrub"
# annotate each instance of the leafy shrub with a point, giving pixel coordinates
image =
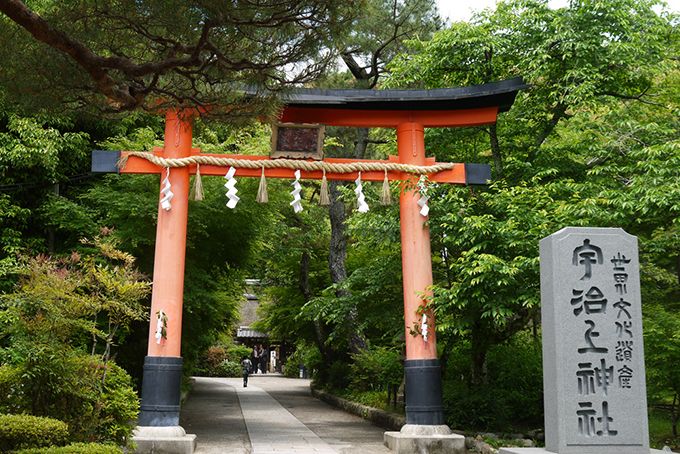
(26, 431)
(337, 376)
(291, 369)
(237, 352)
(375, 369)
(211, 363)
(117, 415)
(516, 370)
(479, 407)
(510, 397)
(213, 357)
(75, 448)
(96, 400)
(9, 389)
(375, 399)
(61, 309)
(228, 369)
(102, 406)
(306, 354)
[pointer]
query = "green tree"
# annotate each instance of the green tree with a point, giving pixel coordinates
(123, 55)
(220, 242)
(662, 344)
(293, 268)
(581, 62)
(379, 33)
(571, 58)
(12, 243)
(38, 156)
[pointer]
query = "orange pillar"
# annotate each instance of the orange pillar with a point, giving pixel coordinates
(421, 367)
(416, 260)
(163, 364)
(171, 238)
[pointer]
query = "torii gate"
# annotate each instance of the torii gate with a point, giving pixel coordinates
(409, 111)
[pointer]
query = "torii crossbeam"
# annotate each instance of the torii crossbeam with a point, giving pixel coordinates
(410, 112)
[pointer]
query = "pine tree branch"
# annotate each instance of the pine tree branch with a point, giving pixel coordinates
(126, 76)
(42, 31)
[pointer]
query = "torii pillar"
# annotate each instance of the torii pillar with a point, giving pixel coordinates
(158, 425)
(407, 111)
(421, 367)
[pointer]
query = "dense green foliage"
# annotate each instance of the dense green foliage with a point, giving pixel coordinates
(662, 343)
(37, 221)
(96, 400)
(510, 399)
(307, 356)
(26, 431)
(56, 333)
(376, 369)
(75, 448)
(228, 368)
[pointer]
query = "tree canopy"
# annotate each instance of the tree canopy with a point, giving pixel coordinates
(121, 55)
(583, 62)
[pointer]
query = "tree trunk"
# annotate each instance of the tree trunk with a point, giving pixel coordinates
(479, 367)
(675, 414)
(480, 348)
(444, 357)
(496, 151)
(51, 243)
(361, 143)
(304, 275)
(559, 112)
(336, 264)
(337, 253)
(320, 336)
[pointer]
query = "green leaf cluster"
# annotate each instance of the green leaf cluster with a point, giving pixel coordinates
(26, 431)
(592, 141)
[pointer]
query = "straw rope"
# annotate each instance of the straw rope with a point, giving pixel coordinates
(293, 164)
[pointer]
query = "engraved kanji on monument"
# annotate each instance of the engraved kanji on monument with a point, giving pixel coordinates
(593, 361)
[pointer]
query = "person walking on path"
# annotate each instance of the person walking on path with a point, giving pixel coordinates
(263, 354)
(255, 359)
(246, 365)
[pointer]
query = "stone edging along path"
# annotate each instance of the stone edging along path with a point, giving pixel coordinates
(382, 418)
(392, 421)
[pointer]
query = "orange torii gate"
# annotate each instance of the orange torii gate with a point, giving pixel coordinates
(409, 112)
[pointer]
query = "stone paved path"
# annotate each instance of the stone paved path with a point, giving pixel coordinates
(271, 427)
(273, 415)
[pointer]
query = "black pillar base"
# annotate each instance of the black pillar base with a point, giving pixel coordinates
(161, 391)
(423, 392)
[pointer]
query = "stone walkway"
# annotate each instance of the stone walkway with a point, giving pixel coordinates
(273, 415)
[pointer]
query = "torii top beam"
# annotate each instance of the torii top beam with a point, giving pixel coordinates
(445, 107)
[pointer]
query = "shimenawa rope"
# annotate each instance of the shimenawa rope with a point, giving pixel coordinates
(293, 164)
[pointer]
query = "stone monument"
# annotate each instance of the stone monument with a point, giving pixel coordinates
(593, 360)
